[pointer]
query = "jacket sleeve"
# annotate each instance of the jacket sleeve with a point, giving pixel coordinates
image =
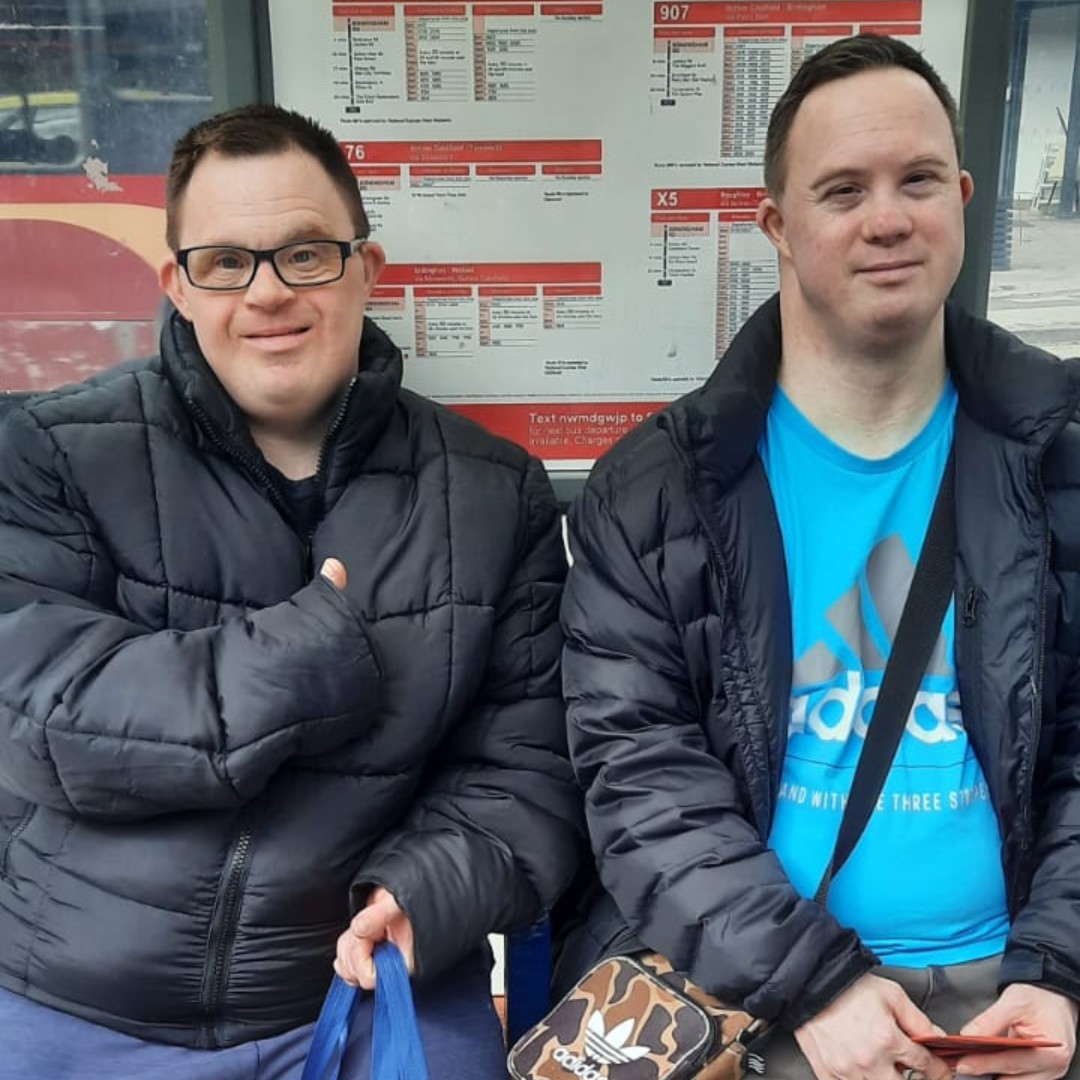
(495, 836)
(1041, 836)
(669, 818)
(100, 717)
(1044, 943)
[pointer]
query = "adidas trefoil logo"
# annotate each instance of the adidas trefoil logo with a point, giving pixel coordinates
(610, 1047)
(602, 1047)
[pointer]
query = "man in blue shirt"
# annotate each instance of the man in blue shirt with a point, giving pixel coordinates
(740, 564)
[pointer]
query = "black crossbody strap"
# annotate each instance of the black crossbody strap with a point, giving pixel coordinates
(920, 622)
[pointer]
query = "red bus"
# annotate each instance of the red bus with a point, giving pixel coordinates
(93, 93)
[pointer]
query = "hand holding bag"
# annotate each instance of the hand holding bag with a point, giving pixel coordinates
(397, 1052)
(634, 1017)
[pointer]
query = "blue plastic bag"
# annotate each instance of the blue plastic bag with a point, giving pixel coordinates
(397, 1052)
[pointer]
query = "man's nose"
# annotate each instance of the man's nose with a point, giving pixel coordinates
(266, 286)
(887, 218)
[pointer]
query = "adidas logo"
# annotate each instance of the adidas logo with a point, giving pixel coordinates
(602, 1047)
(865, 620)
(831, 699)
(610, 1047)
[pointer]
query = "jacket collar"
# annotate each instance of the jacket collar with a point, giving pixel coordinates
(720, 425)
(1005, 385)
(368, 409)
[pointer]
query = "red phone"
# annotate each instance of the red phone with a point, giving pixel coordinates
(954, 1046)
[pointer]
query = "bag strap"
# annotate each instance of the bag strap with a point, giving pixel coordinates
(397, 1052)
(920, 622)
(327, 1048)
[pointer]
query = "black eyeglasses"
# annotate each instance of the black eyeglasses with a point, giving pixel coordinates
(299, 265)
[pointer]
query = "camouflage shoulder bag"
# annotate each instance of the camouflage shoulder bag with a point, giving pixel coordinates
(633, 1017)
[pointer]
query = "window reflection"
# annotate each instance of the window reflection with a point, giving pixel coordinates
(81, 77)
(1035, 278)
(93, 94)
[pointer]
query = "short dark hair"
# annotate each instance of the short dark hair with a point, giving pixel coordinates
(255, 131)
(838, 60)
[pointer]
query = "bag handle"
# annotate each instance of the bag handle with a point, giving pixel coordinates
(397, 1052)
(927, 602)
(327, 1048)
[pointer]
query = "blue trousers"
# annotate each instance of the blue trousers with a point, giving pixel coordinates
(460, 1029)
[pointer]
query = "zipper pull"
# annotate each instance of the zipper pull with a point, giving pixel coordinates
(971, 604)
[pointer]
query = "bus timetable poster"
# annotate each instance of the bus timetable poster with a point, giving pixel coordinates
(566, 189)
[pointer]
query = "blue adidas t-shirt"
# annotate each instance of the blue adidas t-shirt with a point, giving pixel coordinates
(925, 884)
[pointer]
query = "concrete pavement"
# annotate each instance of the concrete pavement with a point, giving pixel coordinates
(1039, 297)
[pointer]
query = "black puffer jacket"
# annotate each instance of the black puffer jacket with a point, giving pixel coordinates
(677, 673)
(204, 746)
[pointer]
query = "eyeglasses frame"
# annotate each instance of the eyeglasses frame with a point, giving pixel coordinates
(347, 249)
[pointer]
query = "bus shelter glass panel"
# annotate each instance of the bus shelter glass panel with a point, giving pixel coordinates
(1035, 276)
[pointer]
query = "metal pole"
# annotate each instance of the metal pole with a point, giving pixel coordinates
(985, 82)
(1014, 104)
(1067, 199)
(238, 34)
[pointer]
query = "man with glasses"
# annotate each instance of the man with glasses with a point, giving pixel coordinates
(280, 674)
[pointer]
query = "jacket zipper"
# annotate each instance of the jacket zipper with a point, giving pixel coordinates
(232, 451)
(223, 927)
(1036, 682)
(226, 917)
(264, 479)
(20, 828)
(970, 612)
(320, 472)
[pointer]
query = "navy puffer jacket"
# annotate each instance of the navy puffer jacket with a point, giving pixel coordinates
(678, 669)
(208, 754)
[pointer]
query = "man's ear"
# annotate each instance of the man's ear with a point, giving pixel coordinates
(770, 220)
(374, 259)
(169, 280)
(967, 186)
